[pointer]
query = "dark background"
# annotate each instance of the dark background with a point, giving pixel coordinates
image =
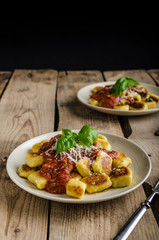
(78, 43)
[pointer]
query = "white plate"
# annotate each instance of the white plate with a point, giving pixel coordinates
(141, 168)
(83, 97)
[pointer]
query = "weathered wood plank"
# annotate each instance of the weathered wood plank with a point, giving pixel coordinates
(142, 134)
(26, 110)
(138, 75)
(4, 76)
(154, 73)
(143, 127)
(101, 220)
(77, 114)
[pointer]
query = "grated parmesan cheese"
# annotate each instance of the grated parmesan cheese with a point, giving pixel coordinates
(75, 153)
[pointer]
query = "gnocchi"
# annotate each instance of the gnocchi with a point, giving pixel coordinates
(78, 170)
(120, 97)
(121, 177)
(37, 180)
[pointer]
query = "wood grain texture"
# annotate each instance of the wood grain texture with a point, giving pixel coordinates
(144, 127)
(154, 177)
(100, 220)
(143, 134)
(138, 75)
(154, 73)
(72, 113)
(27, 110)
(4, 78)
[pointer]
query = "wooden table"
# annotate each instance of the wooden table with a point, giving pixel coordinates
(34, 102)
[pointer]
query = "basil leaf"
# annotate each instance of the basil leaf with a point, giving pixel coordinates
(87, 135)
(66, 142)
(66, 132)
(122, 84)
(131, 82)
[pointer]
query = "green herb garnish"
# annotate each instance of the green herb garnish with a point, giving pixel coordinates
(122, 84)
(86, 136)
(66, 141)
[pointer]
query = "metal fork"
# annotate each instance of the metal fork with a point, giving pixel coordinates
(132, 222)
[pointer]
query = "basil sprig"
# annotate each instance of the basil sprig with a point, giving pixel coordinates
(86, 136)
(66, 141)
(122, 84)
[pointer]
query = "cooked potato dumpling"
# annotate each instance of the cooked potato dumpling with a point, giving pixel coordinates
(75, 175)
(36, 147)
(78, 170)
(154, 97)
(96, 89)
(75, 188)
(37, 180)
(122, 107)
(103, 163)
(132, 98)
(34, 159)
(123, 101)
(83, 167)
(24, 170)
(121, 177)
(137, 97)
(93, 101)
(122, 160)
(96, 182)
(138, 106)
(151, 104)
(102, 142)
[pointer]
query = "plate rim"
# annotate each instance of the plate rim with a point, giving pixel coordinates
(116, 111)
(75, 200)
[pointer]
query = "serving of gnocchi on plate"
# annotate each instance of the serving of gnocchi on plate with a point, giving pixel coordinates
(136, 100)
(109, 168)
(77, 170)
(126, 94)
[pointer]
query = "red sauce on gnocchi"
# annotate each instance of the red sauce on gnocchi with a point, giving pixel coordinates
(56, 167)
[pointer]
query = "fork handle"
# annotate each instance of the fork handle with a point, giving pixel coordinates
(131, 223)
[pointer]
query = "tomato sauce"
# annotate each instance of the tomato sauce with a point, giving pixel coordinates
(113, 154)
(109, 101)
(56, 168)
(105, 97)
